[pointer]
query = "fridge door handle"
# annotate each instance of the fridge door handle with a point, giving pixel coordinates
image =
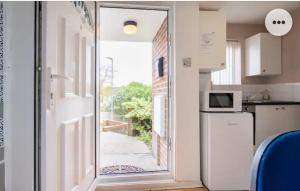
(232, 124)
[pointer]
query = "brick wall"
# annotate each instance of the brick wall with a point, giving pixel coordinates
(160, 87)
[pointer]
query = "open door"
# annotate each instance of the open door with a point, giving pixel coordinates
(68, 136)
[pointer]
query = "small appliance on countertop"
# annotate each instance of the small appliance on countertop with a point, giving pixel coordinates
(226, 141)
(221, 101)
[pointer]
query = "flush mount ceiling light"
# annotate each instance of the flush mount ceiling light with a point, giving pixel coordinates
(130, 27)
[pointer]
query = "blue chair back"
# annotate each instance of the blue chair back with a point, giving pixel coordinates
(276, 165)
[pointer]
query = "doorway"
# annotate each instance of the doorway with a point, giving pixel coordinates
(128, 77)
(134, 91)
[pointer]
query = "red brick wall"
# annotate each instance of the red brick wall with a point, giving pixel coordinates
(160, 87)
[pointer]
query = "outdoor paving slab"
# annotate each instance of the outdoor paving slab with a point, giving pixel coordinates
(115, 143)
(119, 149)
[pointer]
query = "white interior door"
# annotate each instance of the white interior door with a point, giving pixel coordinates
(69, 57)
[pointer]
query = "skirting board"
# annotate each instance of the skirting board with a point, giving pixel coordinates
(144, 185)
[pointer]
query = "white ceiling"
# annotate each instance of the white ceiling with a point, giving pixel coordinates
(248, 12)
(112, 20)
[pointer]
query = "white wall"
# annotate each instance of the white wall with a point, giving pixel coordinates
(187, 156)
(19, 108)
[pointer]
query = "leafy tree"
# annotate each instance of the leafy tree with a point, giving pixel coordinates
(128, 93)
(135, 102)
(140, 111)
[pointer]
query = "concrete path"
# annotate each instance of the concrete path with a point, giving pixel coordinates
(119, 149)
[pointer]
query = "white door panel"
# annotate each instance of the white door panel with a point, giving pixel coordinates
(69, 147)
(88, 141)
(70, 121)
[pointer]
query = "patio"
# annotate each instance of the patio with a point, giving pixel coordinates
(124, 154)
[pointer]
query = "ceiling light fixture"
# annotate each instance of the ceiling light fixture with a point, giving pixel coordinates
(130, 27)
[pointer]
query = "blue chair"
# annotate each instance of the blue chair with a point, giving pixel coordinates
(276, 165)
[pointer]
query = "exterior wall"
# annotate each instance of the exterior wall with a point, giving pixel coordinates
(160, 87)
(290, 54)
(240, 32)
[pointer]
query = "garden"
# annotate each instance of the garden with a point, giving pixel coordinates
(132, 103)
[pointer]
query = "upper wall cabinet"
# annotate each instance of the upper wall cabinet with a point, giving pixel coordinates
(212, 41)
(263, 55)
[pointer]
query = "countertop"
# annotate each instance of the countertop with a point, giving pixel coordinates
(271, 102)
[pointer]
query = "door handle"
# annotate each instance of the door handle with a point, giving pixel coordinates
(232, 124)
(50, 89)
(62, 77)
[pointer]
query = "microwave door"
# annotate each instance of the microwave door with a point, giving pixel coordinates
(221, 100)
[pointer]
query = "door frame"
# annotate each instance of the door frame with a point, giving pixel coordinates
(37, 95)
(40, 160)
(149, 176)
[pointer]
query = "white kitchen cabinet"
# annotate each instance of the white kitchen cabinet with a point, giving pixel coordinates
(275, 119)
(212, 40)
(263, 55)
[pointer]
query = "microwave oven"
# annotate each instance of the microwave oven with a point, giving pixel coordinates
(221, 101)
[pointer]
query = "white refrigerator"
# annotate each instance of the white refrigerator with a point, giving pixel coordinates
(226, 150)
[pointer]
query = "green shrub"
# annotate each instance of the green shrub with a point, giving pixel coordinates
(140, 111)
(135, 102)
(128, 93)
(144, 135)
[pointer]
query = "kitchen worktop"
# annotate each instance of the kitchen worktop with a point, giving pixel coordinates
(271, 102)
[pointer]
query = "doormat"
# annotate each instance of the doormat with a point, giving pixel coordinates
(120, 169)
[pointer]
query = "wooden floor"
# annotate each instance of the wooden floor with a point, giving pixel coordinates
(190, 189)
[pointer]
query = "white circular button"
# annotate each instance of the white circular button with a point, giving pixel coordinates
(278, 22)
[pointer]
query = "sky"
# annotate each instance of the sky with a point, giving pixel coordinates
(132, 61)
